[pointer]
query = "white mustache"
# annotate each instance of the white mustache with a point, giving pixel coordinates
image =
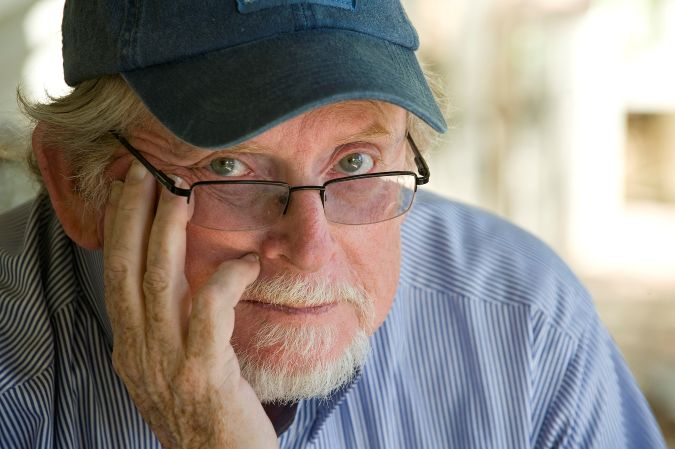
(296, 291)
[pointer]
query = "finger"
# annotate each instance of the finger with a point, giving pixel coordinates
(124, 245)
(165, 286)
(212, 318)
(110, 212)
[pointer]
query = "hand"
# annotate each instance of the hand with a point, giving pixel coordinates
(172, 350)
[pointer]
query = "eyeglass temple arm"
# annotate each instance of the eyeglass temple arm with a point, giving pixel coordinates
(162, 177)
(421, 164)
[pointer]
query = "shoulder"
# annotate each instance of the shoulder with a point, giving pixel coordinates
(471, 255)
(496, 307)
(13, 224)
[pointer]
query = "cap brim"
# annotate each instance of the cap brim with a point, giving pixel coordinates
(227, 96)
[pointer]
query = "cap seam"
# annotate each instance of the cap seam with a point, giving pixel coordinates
(128, 50)
(302, 14)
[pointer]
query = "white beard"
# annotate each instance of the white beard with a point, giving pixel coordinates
(284, 382)
(301, 367)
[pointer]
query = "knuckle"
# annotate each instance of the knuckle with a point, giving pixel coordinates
(117, 267)
(208, 298)
(156, 280)
(129, 207)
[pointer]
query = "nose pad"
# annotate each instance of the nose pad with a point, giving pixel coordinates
(285, 199)
(288, 197)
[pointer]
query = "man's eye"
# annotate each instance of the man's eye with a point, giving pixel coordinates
(356, 163)
(227, 166)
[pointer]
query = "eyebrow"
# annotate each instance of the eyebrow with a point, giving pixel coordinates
(375, 131)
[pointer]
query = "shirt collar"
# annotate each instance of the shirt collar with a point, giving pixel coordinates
(89, 272)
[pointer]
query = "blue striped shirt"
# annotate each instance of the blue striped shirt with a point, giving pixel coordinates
(491, 343)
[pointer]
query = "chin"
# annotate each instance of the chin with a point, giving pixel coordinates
(297, 338)
(285, 363)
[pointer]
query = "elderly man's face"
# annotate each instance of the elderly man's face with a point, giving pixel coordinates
(302, 249)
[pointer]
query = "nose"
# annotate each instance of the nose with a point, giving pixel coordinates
(302, 237)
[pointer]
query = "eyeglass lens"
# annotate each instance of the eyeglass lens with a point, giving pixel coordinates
(236, 207)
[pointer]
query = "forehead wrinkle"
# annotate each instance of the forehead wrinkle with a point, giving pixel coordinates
(246, 147)
(346, 110)
(374, 130)
(183, 149)
(374, 127)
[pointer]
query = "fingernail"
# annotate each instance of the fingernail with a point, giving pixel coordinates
(251, 257)
(137, 172)
(115, 191)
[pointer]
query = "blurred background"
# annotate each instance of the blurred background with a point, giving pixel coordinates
(562, 117)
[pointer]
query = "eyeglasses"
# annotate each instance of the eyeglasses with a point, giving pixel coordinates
(250, 205)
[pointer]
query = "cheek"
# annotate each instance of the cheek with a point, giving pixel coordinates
(375, 259)
(207, 249)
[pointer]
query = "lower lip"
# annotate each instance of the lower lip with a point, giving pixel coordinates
(293, 310)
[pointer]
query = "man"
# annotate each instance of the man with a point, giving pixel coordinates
(224, 258)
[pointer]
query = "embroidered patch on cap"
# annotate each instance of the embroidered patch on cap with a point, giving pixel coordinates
(246, 6)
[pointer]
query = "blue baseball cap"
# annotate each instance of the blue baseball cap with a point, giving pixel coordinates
(216, 73)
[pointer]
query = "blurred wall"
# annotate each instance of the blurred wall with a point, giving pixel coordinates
(15, 52)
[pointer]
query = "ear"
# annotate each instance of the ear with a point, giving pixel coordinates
(79, 222)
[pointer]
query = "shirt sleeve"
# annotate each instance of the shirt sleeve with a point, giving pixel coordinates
(597, 403)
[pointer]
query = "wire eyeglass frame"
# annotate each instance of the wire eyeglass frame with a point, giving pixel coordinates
(166, 181)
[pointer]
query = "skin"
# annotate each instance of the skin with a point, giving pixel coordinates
(173, 289)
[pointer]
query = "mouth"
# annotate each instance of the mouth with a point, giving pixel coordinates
(292, 310)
